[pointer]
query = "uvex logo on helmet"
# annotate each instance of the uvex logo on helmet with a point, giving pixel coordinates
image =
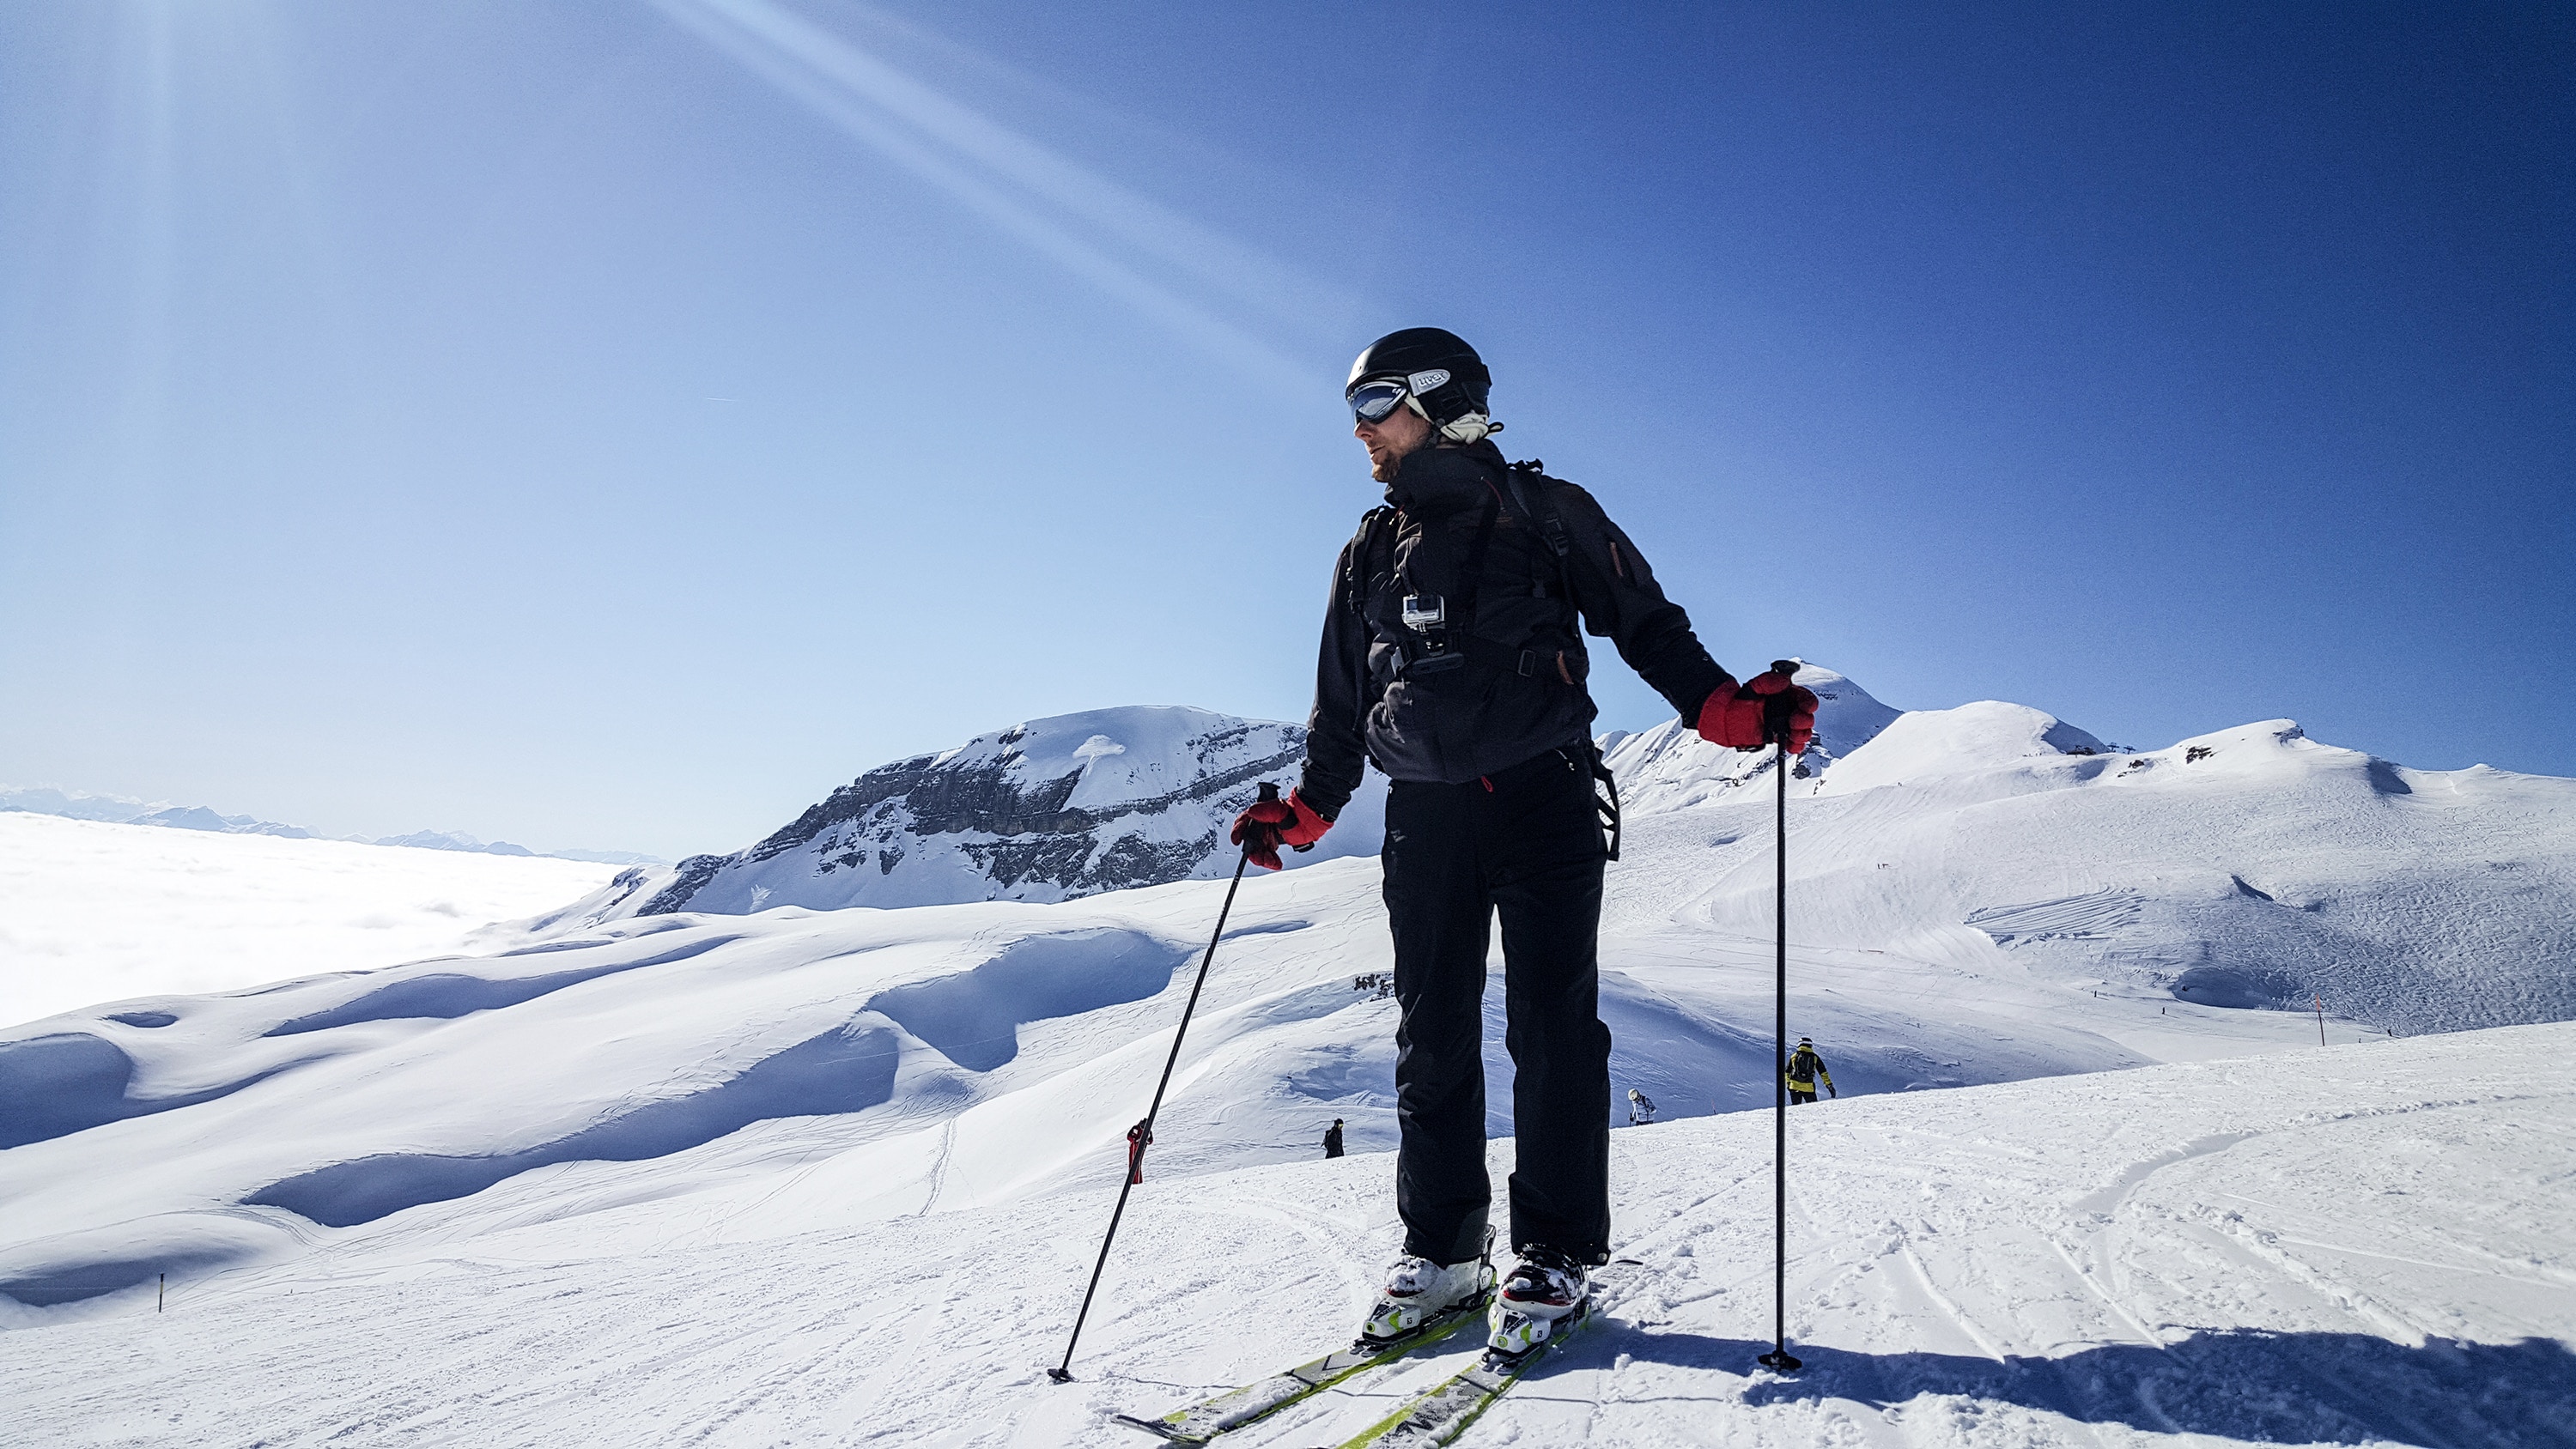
(1440, 376)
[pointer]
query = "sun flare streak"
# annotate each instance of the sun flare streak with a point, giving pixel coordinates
(1043, 198)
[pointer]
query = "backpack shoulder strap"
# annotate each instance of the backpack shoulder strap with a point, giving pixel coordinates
(1528, 488)
(1528, 484)
(1375, 525)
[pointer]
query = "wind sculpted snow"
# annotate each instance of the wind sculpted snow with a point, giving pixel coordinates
(1972, 903)
(2364, 1245)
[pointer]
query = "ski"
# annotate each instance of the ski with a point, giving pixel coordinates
(1200, 1422)
(1441, 1413)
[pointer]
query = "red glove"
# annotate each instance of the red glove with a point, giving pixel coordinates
(1769, 709)
(1731, 718)
(1273, 822)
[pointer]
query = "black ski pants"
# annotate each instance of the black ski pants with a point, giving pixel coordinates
(1524, 842)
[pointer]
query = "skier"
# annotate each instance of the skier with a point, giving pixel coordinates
(1805, 1070)
(1641, 1108)
(1453, 659)
(1138, 1139)
(1333, 1139)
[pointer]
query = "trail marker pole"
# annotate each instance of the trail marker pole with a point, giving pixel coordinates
(161, 1300)
(1779, 1359)
(1063, 1373)
(2321, 1017)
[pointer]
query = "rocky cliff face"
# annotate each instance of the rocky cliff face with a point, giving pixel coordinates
(1044, 811)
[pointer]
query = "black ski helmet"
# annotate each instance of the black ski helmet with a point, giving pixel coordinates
(1442, 373)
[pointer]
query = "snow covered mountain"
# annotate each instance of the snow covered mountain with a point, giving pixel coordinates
(1670, 767)
(2250, 867)
(452, 840)
(1055, 809)
(121, 809)
(72, 804)
(1049, 810)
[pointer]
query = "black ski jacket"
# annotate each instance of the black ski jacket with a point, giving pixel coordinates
(1502, 680)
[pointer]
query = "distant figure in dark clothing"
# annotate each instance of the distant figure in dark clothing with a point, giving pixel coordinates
(1138, 1139)
(1805, 1070)
(1333, 1139)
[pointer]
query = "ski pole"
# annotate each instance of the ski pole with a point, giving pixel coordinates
(1063, 1373)
(1776, 711)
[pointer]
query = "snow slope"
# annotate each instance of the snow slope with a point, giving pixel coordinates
(936, 1057)
(2368, 1244)
(2250, 867)
(1970, 905)
(673, 1150)
(93, 911)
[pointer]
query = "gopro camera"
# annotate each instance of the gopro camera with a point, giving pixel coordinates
(1424, 612)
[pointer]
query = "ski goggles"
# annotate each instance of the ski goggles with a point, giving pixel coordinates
(1371, 402)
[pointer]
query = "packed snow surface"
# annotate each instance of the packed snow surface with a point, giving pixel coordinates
(93, 911)
(2367, 1244)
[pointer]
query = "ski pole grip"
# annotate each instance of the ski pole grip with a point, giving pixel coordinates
(1778, 709)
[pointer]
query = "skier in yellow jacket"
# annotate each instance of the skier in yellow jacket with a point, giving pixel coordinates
(1805, 1070)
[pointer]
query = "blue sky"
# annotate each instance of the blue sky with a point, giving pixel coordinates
(614, 425)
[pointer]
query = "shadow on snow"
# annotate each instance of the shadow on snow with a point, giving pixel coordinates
(2237, 1383)
(973, 1017)
(52, 1086)
(448, 994)
(832, 1073)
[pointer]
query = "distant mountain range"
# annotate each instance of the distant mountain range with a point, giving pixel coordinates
(124, 810)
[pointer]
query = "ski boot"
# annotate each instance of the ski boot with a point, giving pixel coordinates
(1420, 1294)
(1541, 1297)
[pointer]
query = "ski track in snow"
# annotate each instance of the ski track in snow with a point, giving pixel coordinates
(2365, 1244)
